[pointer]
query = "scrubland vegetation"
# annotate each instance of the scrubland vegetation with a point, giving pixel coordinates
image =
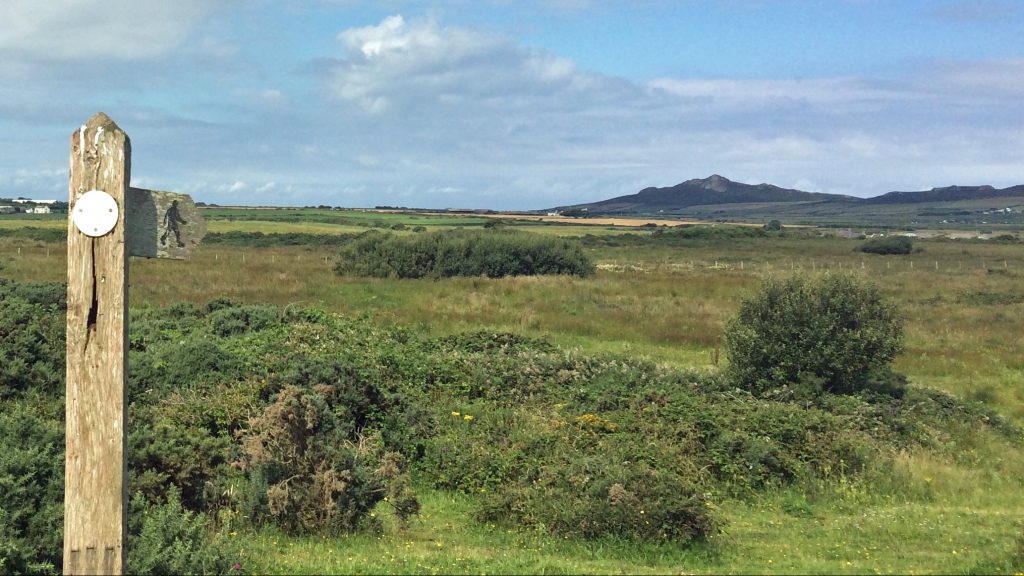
(631, 421)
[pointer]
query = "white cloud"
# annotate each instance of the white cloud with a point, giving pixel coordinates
(77, 30)
(748, 93)
(452, 108)
(236, 186)
(400, 64)
(412, 111)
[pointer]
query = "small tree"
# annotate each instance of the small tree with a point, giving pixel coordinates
(833, 333)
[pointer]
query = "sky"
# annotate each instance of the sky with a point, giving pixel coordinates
(514, 104)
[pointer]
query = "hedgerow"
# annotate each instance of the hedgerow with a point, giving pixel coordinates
(493, 253)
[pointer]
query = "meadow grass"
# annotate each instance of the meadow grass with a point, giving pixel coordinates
(963, 304)
(669, 304)
(977, 531)
(445, 538)
(33, 220)
(349, 216)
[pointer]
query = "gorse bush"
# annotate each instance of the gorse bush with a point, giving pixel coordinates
(32, 330)
(171, 539)
(493, 253)
(832, 333)
(317, 479)
(242, 417)
(32, 488)
(888, 245)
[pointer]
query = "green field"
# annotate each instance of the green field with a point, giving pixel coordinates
(955, 509)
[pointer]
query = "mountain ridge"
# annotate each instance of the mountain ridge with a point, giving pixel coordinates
(719, 198)
(716, 189)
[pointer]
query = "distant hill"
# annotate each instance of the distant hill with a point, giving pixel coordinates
(710, 191)
(718, 198)
(948, 194)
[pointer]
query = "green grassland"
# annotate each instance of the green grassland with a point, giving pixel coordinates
(957, 510)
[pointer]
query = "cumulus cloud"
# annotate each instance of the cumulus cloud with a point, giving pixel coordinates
(460, 109)
(412, 111)
(399, 64)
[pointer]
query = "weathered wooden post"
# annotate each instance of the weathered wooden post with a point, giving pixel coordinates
(97, 323)
(108, 221)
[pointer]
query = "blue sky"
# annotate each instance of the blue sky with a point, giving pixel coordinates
(512, 104)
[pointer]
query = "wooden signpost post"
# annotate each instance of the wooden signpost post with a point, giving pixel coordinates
(108, 221)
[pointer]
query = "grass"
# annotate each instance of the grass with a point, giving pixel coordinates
(780, 533)
(963, 305)
(446, 539)
(362, 218)
(670, 304)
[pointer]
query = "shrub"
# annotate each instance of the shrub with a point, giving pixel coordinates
(317, 479)
(32, 330)
(189, 362)
(599, 495)
(32, 485)
(227, 321)
(833, 332)
(169, 453)
(172, 540)
(493, 253)
(888, 245)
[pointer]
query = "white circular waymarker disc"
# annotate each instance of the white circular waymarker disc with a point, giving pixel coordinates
(95, 213)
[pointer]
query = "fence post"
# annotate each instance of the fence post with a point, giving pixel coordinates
(95, 493)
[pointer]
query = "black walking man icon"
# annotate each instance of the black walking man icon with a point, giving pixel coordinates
(171, 220)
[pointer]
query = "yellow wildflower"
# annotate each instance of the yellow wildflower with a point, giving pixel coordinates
(467, 418)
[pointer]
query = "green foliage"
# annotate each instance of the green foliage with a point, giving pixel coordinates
(244, 416)
(599, 495)
(495, 253)
(261, 240)
(685, 235)
(166, 366)
(32, 328)
(32, 484)
(171, 539)
(888, 245)
(803, 335)
(172, 453)
(35, 233)
(239, 319)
